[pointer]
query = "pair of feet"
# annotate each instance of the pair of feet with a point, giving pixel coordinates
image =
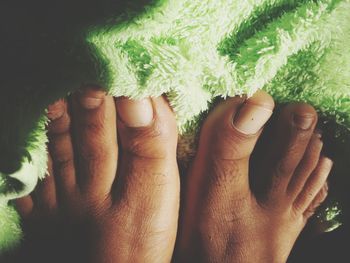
(114, 190)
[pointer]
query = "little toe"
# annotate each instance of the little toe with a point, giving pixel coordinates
(313, 185)
(318, 200)
(45, 193)
(95, 139)
(289, 140)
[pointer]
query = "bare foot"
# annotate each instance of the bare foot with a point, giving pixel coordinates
(105, 202)
(237, 213)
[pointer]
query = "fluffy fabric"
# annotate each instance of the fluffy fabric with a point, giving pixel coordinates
(195, 51)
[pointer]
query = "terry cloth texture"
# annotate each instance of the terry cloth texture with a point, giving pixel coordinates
(194, 51)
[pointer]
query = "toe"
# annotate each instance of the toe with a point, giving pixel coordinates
(227, 140)
(306, 166)
(95, 139)
(147, 185)
(218, 189)
(61, 149)
(313, 185)
(318, 200)
(253, 113)
(289, 139)
(147, 128)
(148, 137)
(45, 193)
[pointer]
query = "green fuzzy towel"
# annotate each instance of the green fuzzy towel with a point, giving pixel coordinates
(194, 51)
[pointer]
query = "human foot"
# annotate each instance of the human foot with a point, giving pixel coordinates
(232, 217)
(105, 202)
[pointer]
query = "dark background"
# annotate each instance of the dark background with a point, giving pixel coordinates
(330, 247)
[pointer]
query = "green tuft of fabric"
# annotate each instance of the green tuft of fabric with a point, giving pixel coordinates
(10, 231)
(139, 57)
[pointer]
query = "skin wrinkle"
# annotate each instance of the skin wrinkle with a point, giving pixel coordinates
(136, 146)
(284, 166)
(223, 171)
(140, 227)
(137, 174)
(221, 235)
(225, 210)
(231, 138)
(56, 129)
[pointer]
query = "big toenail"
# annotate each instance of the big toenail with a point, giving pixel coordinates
(135, 113)
(89, 101)
(251, 118)
(304, 121)
(56, 110)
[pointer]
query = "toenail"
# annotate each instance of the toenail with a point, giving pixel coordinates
(56, 110)
(89, 101)
(327, 161)
(251, 118)
(135, 113)
(303, 121)
(318, 134)
(326, 187)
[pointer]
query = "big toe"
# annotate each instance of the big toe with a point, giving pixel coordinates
(218, 183)
(229, 137)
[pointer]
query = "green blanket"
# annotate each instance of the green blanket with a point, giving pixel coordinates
(194, 51)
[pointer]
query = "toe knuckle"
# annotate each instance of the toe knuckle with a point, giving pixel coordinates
(237, 145)
(156, 142)
(99, 154)
(310, 212)
(96, 206)
(59, 126)
(309, 164)
(63, 164)
(94, 127)
(91, 159)
(289, 159)
(284, 168)
(296, 210)
(301, 137)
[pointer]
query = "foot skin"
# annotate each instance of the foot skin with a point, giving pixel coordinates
(234, 213)
(106, 200)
